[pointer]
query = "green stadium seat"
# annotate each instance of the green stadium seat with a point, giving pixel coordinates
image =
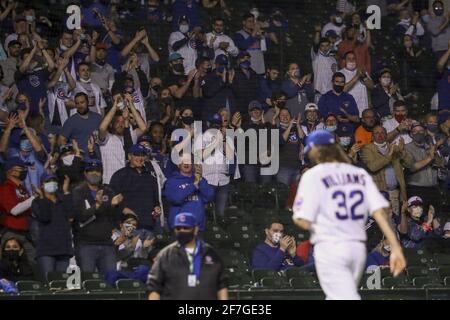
(58, 285)
(304, 283)
(29, 287)
(442, 259)
(394, 283)
(422, 282)
(129, 285)
(296, 272)
(56, 275)
(258, 274)
(416, 258)
(413, 272)
(96, 286)
(91, 276)
(444, 271)
(272, 283)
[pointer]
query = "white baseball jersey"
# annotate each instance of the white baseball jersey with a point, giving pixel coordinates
(337, 199)
(359, 90)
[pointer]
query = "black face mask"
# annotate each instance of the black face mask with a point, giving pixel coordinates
(439, 12)
(23, 175)
(184, 238)
(157, 88)
(209, 70)
(84, 112)
(178, 68)
(281, 104)
(167, 101)
(187, 120)
(11, 255)
(338, 89)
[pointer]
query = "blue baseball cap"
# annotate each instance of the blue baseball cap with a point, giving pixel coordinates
(255, 104)
(186, 220)
(443, 116)
(215, 119)
(331, 33)
(344, 129)
(222, 60)
(145, 138)
(93, 164)
(319, 138)
(14, 162)
(138, 150)
(175, 56)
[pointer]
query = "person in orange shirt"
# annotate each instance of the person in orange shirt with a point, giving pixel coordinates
(363, 134)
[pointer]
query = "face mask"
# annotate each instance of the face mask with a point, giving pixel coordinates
(351, 66)
(387, 248)
(439, 12)
(433, 128)
(419, 138)
(23, 175)
(187, 120)
(25, 146)
(296, 74)
(51, 187)
(400, 118)
(100, 62)
(338, 21)
(11, 255)
(245, 64)
(184, 28)
(83, 112)
(221, 69)
(93, 179)
(167, 100)
(178, 68)
(208, 70)
(381, 145)
(406, 21)
(255, 13)
(63, 47)
(345, 141)
(184, 238)
(385, 82)
(338, 89)
(157, 88)
(331, 128)
(128, 229)
(416, 212)
(68, 160)
(85, 81)
(276, 237)
(325, 54)
(29, 19)
(426, 18)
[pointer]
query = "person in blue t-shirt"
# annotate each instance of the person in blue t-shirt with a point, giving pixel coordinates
(278, 251)
(379, 257)
(338, 102)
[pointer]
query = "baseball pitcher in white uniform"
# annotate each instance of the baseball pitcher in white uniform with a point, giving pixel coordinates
(333, 202)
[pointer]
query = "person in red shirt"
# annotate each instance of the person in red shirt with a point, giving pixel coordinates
(361, 49)
(15, 204)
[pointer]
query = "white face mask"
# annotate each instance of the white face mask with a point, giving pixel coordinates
(351, 66)
(184, 28)
(68, 160)
(345, 141)
(387, 248)
(128, 229)
(85, 81)
(255, 12)
(276, 237)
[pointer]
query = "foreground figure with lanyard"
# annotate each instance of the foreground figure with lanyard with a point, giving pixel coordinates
(335, 210)
(199, 272)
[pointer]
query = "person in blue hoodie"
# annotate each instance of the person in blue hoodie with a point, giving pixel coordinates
(278, 251)
(187, 191)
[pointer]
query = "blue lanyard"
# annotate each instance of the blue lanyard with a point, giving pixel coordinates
(195, 260)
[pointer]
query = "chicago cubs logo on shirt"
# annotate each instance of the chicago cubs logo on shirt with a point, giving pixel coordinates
(34, 81)
(105, 198)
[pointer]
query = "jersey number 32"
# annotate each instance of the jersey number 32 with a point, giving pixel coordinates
(348, 204)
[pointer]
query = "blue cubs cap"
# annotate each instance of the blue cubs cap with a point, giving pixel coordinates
(222, 60)
(175, 56)
(185, 220)
(145, 138)
(215, 119)
(255, 104)
(138, 150)
(331, 33)
(93, 164)
(47, 176)
(319, 138)
(344, 129)
(14, 162)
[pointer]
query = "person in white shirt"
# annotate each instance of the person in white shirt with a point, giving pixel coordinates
(96, 101)
(398, 125)
(357, 81)
(411, 26)
(111, 134)
(183, 42)
(333, 201)
(324, 65)
(220, 42)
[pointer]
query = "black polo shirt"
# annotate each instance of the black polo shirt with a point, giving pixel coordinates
(169, 275)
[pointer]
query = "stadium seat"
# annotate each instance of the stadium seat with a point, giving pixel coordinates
(416, 258)
(92, 276)
(447, 282)
(29, 287)
(296, 272)
(413, 272)
(129, 285)
(444, 271)
(58, 285)
(56, 275)
(442, 259)
(393, 283)
(258, 274)
(304, 283)
(272, 283)
(422, 282)
(96, 285)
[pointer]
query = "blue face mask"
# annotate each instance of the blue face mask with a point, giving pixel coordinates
(245, 64)
(331, 128)
(25, 146)
(51, 187)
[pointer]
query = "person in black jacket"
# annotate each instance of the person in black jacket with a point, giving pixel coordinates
(53, 213)
(139, 188)
(244, 82)
(385, 94)
(95, 218)
(216, 89)
(14, 265)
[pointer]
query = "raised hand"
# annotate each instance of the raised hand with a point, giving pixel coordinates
(12, 121)
(66, 184)
(116, 200)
